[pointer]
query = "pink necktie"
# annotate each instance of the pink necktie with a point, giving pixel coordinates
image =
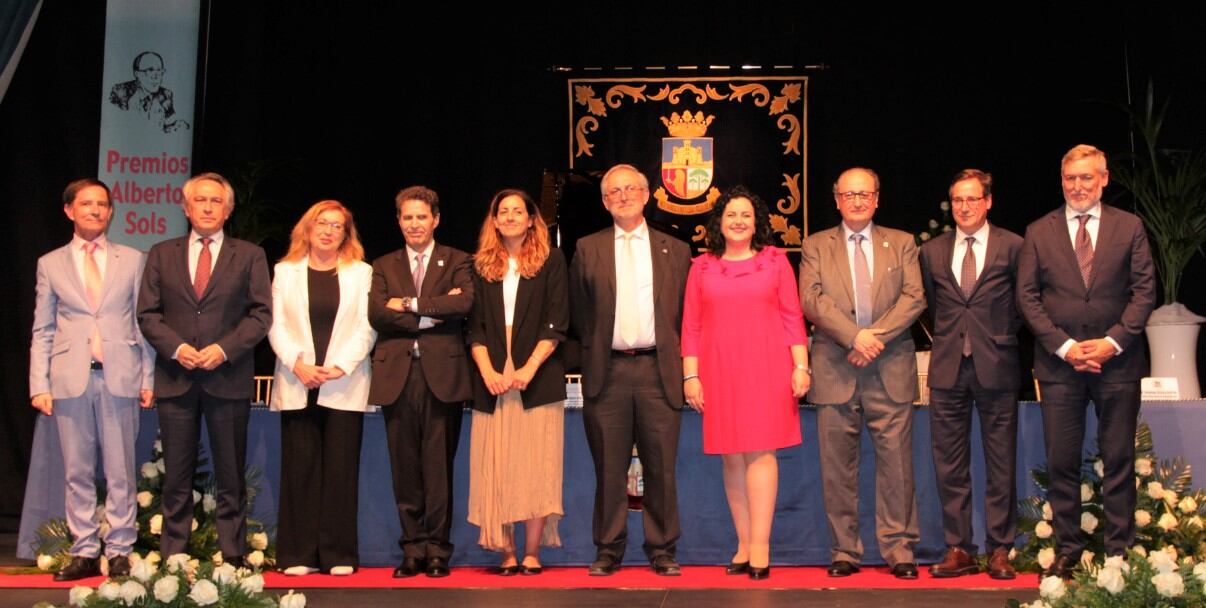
(967, 281)
(92, 285)
(862, 283)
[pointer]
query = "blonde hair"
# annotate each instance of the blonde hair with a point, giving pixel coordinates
(491, 258)
(1084, 151)
(350, 250)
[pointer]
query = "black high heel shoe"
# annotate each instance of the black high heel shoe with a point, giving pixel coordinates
(737, 568)
(757, 574)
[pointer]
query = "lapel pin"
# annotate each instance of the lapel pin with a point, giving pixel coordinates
(665, 251)
(440, 263)
(885, 244)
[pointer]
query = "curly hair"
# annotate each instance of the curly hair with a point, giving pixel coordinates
(763, 237)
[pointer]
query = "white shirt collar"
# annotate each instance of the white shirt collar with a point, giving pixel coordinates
(78, 242)
(215, 239)
(640, 232)
(980, 235)
(1094, 211)
(866, 231)
(411, 253)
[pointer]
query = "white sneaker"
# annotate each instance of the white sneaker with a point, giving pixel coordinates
(299, 570)
(342, 570)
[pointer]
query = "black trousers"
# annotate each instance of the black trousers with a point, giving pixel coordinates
(950, 434)
(320, 474)
(633, 408)
(423, 433)
(1117, 408)
(180, 430)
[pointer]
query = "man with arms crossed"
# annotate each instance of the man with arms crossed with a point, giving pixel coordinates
(627, 285)
(88, 368)
(969, 276)
(419, 299)
(205, 303)
(1085, 288)
(861, 285)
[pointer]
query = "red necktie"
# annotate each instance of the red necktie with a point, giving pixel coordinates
(204, 268)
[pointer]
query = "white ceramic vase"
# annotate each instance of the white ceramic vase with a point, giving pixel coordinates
(1172, 334)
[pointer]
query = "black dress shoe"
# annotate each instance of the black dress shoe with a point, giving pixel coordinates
(905, 571)
(409, 567)
(79, 567)
(841, 568)
(119, 566)
(665, 565)
(757, 574)
(1062, 567)
(604, 565)
(437, 567)
(511, 570)
(737, 568)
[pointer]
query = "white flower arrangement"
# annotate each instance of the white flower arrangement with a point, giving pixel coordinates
(1155, 580)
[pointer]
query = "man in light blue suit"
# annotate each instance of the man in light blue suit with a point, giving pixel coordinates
(90, 369)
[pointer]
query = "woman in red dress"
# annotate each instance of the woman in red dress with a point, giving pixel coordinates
(744, 346)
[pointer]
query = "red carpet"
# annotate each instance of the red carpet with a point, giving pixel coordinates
(634, 577)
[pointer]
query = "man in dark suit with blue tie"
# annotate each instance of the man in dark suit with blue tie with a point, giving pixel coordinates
(1086, 287)
(969, 276)
(205, 303)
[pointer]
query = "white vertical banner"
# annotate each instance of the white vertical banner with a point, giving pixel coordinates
(146, 135)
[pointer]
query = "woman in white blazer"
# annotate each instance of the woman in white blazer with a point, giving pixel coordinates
(322, 338)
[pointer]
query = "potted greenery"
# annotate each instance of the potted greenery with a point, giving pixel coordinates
(1169, 188)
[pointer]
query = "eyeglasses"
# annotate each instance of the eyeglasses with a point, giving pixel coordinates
(335, 227)
(856, 196)
(630, 190)
(151, 71)
(967, 201)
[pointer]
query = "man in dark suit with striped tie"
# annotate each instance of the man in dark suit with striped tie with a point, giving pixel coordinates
(1085, 288)
(969, 276)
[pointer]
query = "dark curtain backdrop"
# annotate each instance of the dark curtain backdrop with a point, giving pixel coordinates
(360, 99)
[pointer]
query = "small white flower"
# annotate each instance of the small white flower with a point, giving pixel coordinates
(259, 541)
(1167, 522)
(1171, 551)
(216, 558)
(145, 498)
(157, 446)
(1195, 521)
(1169, 584)
(193, 564)
(293, 600)
(1170, 498)
(153, 557)
(1099, 467)
(1043, 529)
(1140, 549)
(945, 205)
(1086, 492)
(1013, 553)
(225, 574)
(1118, 562)
(1047, 515)
(159, 465)
(1088, 522)
(204, 593)
(156, 524)
(1046, 557)
(253, 583)
(255, 559)
(1199, 571)
(1188, 505)
(1162, 561)
(45, 562)
(143, 570)
(148, 470)
(166, 589)
(1086, 558)
(177, 562)
(1142, 518)
(193, 526)
(1111, 580)
(1052, 587)
(946, 228)
(208, 504)
(925, 236)
(109, 590)
(131, 592)
(1143, 466)
(78, 595)
(933, 224)
(196, 497)
(1155, 490)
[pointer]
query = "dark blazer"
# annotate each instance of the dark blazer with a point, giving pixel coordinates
(541, 313)
(989, 316)
(235, 313)
(444, 362)
(1057, 306)
(593, 295)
